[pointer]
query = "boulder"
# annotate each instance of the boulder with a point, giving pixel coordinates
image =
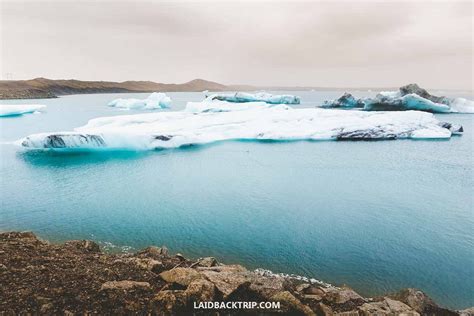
(324, 310)
(147, 264)
(420, 302)
(181, 276)
(312, 297)
(398, 307)
(227, 282)
(342, 296)
(387, 307)
(302, 287)
(154, 252)
(467, 312)
(266, 286)
(291, 305)
(316, 290)
(207, 262)
(200, 290)
(83, 245)
(180, 257)
(310, 289)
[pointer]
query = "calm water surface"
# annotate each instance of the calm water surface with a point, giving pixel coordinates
(378, 216)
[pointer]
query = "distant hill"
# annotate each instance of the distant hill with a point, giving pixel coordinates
(47, 88)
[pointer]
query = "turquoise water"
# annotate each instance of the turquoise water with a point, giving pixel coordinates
(378, 216)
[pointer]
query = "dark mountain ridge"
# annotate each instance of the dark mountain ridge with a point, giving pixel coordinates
(48, 88)
(40, 88)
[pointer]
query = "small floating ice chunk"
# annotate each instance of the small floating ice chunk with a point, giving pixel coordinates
(240, 97)
(176, 129)
(156, 100)
(461, 105)
(19, 109)
(223, 106)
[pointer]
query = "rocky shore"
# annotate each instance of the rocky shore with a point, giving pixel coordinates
(77, 278)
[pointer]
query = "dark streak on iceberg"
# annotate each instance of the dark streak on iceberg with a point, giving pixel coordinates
(164, 138)
(57, 141)
(454, 128)
(368, 134)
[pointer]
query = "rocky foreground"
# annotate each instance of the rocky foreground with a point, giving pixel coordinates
(76, 278)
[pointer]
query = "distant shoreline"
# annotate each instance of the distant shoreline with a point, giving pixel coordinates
(42, 88)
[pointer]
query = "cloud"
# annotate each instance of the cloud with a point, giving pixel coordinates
(275, 43)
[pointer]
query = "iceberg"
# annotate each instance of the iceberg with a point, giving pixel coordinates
(347, 100)
(223, 106)
(241, 97)
(461, 105)
(409, 97)
(175, 129)
(19, 109)
(156, 100)
(385, 102)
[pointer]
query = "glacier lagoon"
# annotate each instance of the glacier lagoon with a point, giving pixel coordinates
(378, 216)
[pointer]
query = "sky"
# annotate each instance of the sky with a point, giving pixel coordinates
(312, 43)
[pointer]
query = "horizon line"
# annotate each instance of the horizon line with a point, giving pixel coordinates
(277, 87)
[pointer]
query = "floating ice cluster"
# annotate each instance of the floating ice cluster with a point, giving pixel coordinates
(224, 106)
(19, 109)
(212, 121)
(156, 100)
(241, 97)
(410, 97)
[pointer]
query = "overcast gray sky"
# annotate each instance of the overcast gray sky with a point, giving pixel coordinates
(337, 43)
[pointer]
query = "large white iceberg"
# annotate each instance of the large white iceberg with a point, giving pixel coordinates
(156, 100)
(241, 97)
(175, 129)
(19, 109)
(409, 97)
